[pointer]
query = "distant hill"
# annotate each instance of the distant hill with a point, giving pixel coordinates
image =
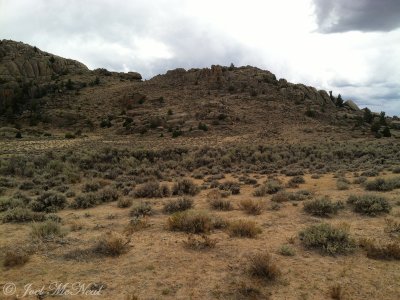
(245, 103)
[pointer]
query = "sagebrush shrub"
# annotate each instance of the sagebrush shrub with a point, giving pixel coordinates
(327, 239)
(322, 207)
(190, 222)
(185, 187)
(47, 230)
(371, 205)
(49, 202)
(178, 205)
(20, 215)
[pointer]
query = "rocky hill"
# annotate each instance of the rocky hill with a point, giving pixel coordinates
(238, 103)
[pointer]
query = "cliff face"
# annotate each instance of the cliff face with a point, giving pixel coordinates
(20, 62)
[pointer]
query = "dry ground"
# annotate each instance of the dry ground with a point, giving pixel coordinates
(158, 266)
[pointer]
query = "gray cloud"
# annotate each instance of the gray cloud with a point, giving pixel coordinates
(360, 15)
(152, 37)
(109, 34)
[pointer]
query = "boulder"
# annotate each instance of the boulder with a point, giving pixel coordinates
(350, 104)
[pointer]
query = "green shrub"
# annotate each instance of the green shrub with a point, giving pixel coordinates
(190, 222)
(185, 187)
(9, 203)
(286, 250)
(262, 266)
(141, 210)
(107, 195)
(231, 186)
(84, 201)
(270, 187)
(152, 189)
(295, 181)
(49, 202)
(47, 230)
(342, 185)
(92, 186)
(20, 215)
(383, 185)
(371, 205)
(322, 207)
(181, 204)
(243, 228)
(327, 239)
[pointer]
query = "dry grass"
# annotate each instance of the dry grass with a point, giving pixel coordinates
(15, 257)
(262, 266)
(190, 222)
(202, 242)
(111, 244)
(243, 228)
(251, 207)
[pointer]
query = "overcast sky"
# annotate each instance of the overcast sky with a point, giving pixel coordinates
(350, 47)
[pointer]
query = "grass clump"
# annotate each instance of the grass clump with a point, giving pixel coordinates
(185, 187)
(15, 257)
(49, 202)
(322, 207)
(124, 203)
(390, 251)
(199, 242)
(251, 207)
(286, 250)
(327, 239)
(243, 228)
(111, 244)
(181, 204)
(262, 266)
(47, 230)
(392, 227)
(190, 222)
(221, 204)
(371, 205)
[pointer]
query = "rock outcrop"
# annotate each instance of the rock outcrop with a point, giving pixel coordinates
(21, 62)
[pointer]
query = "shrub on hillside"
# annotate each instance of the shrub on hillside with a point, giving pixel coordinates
(185, 187)
(49, 202)
(21, 215)
(181, 204)
(151, 189)
(231, 186)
